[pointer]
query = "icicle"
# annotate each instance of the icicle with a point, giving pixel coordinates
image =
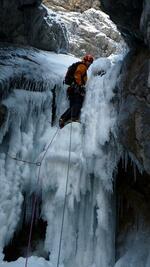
(136, 162)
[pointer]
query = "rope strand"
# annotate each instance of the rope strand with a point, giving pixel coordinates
(39, 164)
(24, 161)
(64, 206)
(35, 201)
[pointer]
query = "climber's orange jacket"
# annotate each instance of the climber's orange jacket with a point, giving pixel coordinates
(80, 74)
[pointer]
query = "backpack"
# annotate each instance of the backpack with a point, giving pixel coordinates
(69, 78)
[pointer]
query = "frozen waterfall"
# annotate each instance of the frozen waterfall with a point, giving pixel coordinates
(88, 232)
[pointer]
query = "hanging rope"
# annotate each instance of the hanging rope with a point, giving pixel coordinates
(65, 199)
(39, 164)
(35, 199)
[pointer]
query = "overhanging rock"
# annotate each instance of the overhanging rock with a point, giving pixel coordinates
(29, 23)
(126, 15)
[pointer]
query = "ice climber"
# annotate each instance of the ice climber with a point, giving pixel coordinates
(76, 78)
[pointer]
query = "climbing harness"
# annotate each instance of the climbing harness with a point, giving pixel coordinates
(65, 199)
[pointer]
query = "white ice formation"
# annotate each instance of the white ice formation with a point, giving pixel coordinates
(88, 232)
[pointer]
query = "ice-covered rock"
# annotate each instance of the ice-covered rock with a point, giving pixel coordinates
(29, 69)
(27, 134)
(91, 32)
(29, 23)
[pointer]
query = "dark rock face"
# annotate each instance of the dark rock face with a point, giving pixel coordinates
(29, 23)
(133, 184)
(133, 196)
(145, 22)
(132, 18)
(126, 14)
(28, 3)
(3, 114)
(134, 115)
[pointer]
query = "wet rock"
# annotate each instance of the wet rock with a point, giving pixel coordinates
(28, 3)
(132, 19)
(134, 113)
(145, 22)
(3, 114)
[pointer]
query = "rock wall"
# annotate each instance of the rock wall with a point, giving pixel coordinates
(133, 179)
(29, 23)
(134, 113)
(145, 22)
(126, 15)
(132, 18)
(72, 5)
